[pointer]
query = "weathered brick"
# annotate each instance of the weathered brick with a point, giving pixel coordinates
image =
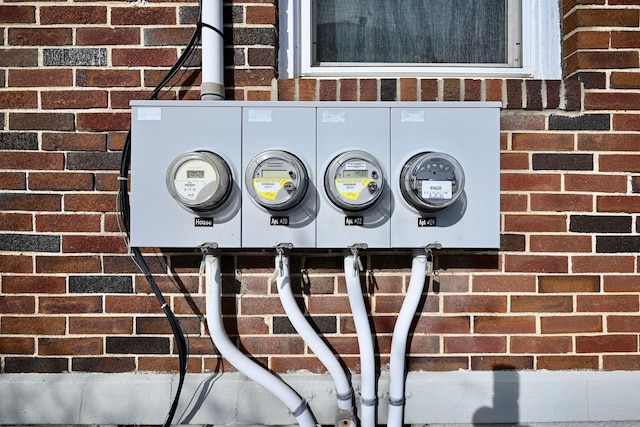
(475, 344)
(596, 60)
(67, 304)
(40, 36)
(67, 141)
(602, 264)
(143, 15)
(15, 221)
(33, 325)
(428, 90)
(17, 304)
(73, 99)
(504, 325)
(595, 183)
(561, 202)
(69, 346)
(42, 121)
(368, 89)
(541, 304)
(608, 142)
(451, 90)
(100, 36)
(128, 304)
(629, 204)
(550, 243)
(388, 89)
(150, 57)
(103, 121)
(75, 57)
(540, 345)
(93, 244)
(17, 14)
(536, 263)
(30, 202)
(49, 77)
(570, 324)
(18, 57)
(63, 181)
(252, 36)
(607, 343)
(567, 363)
(100, 325)
(107, 78)
(348, 90)
(67, 264)
(568, 284)
(18, 100)
(543, 141)
(539, 223)
(73, 15)
(474, 304)
(34, 284)
(626, 122)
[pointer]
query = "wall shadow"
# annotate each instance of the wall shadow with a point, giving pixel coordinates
(505, 410)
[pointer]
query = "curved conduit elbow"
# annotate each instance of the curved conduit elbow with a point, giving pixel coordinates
(365, 342)
(298, 406)
(316, 344)
(399, 340)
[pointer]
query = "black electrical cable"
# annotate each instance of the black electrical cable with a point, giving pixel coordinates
(124, 207)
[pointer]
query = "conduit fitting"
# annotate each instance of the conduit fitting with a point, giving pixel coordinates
(210, 91)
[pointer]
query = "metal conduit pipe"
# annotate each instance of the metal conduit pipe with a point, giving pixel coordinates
(298, 406)
(399, 340)
(368, 398)
(212, 86)
(345, 416)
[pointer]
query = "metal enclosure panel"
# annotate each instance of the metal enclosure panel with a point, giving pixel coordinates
(470, 135)
(293, 130)
(341, 130)
(161, 132)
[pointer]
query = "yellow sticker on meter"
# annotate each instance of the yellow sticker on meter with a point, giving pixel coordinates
(268, 188)
(350, 188)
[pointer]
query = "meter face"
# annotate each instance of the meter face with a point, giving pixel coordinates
(354, 180)
(431, 181)
(200, 180)
(276, 179)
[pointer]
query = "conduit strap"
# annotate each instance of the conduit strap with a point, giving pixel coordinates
(368, 402)
(345, 396)
(300, 409)
(396, 402)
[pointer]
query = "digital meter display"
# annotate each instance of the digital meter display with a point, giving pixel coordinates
(195, 174)
(277, 174)
(355, 173)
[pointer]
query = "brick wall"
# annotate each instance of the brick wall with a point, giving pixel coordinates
(562, 293)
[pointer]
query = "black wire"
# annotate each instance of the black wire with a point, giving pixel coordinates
(124, 206)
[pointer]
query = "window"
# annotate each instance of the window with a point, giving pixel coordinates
(482, 38)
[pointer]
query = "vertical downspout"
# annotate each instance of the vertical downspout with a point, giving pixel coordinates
(212, 86)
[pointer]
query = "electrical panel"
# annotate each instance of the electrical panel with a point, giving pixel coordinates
(315, 175)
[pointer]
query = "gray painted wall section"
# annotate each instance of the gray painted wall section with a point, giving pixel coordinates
(231, 399)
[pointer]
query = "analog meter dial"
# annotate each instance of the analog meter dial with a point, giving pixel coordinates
(276, 179)
(431, 181)
(354, 180)
(199, 180)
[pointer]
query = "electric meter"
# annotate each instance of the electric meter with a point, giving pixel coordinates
(354, 180)
(431, 181)
(199, 180)
(276, 179)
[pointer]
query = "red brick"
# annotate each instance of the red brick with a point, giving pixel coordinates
(625, 80)
(408, 89)
(612, 101)
(602, 17)
(608, 142)
(18, 57)
(74, 99)
(530, 182)
(567, 363)
(595, 183)
(607, 344)
(131, 304)
(630, 204)
(451, 90)
(620, 362)
(329, 304)
(103, 121)
(18, 99)
(514, 161)
(561, 202)
(262, 305)
(473, 90)
(602, 264)
(17, 14)
(514, 202)
(93, 244)
(258, 95)
(13, 180)
(143, 15)
(166, 36)
(269, 345)
(40, 77)
(504, 325)
(14, 304)
(250, 77)
(570, 324)
(475, 344)
(628, 323)
(107, 78)
(42, 121)
(540, 345)
(33, 325)
(67, 264)
(543, 141)
(601, 60)
(69, 346)
(551, 243)
(102, 36)
(150, 57)
(541, 304)
(73, 15)
(607, 303)
(474, 304)
(494, 89)
(16, 345)
(440, 325)
(368, 89)
(626, 122)
(286, 89)
(15, 222)
(33, 161)
(34, 284)
(428, 90)
(619, 163)
(536, 264)
(66, 141)
(348, 90)
(90, 202)
(328, 90)
(624, 39)
(537, 223)
(583, 39)
(63, 181)
(621, 283)
(568, 284)
(261, 14)
(66, 304)
(307, 90)
(30, 202)
(503, 283)
(40, 36)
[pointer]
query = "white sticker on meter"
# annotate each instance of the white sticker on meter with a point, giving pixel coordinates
(268, 188)
(356, 166)
(437, 190)
(189, 188)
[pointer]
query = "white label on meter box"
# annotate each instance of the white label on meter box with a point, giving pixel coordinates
(351, 188)
(437, 190)
(412, 116)
(334, 116)
(263, 116)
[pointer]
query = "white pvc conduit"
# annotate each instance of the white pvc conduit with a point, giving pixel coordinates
(365, 341)
(315, 343)
(399, 340)
(212, 86)
(298, 406)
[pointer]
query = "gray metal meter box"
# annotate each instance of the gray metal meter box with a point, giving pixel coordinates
(278, 162)
(446, 171)
(185, 174)
(354, 203)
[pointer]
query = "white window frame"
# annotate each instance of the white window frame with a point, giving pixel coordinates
(539, 55)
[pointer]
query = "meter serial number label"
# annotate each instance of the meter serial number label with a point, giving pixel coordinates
(279, 220)
(353, 220)
(437, 190)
